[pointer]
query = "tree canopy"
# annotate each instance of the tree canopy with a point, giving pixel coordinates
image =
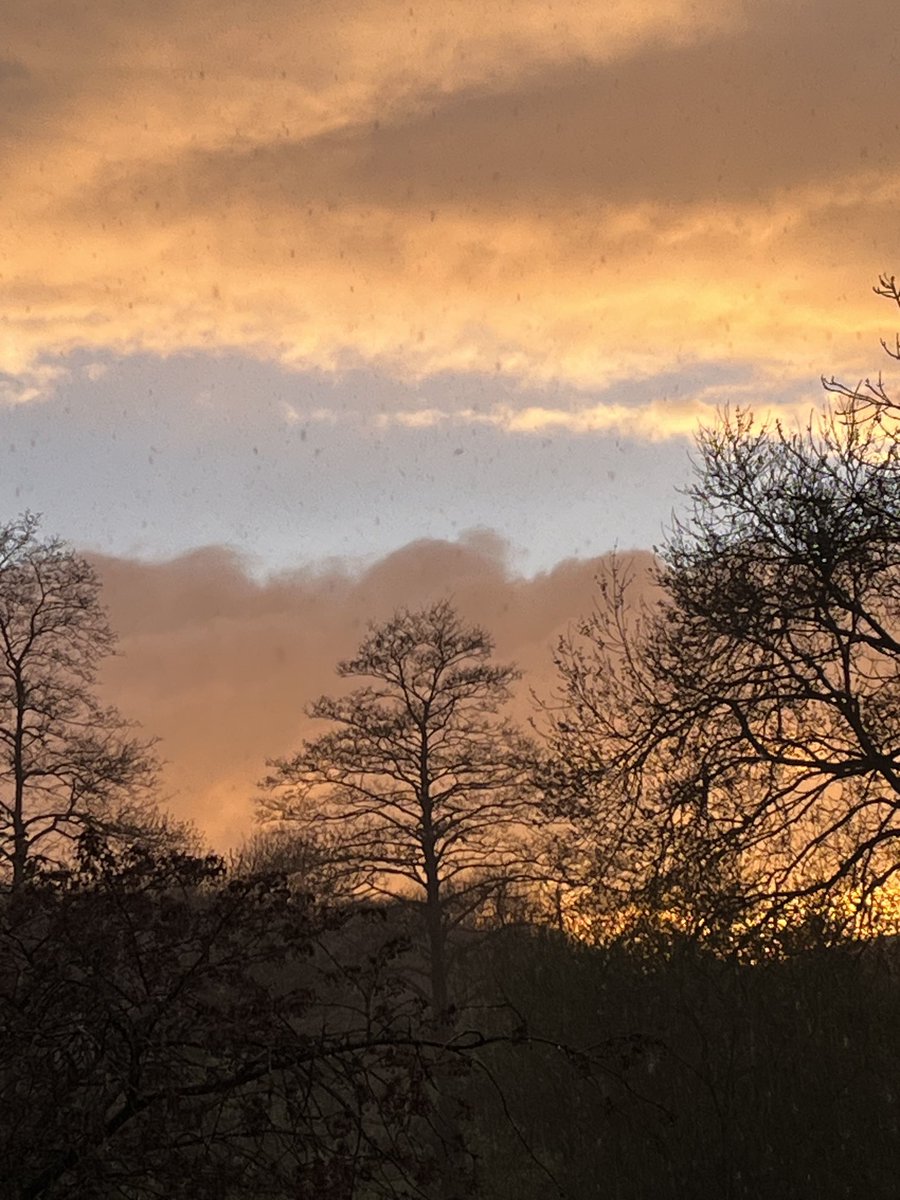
(66, 761)
(426, 789)
(735, 747)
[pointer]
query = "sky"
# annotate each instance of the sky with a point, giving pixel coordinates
(220, 665)
(288, 288)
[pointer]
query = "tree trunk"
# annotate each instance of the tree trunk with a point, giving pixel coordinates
(20, 833)
(437, 953)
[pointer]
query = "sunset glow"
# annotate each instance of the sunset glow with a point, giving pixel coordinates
(574, 193)
(315, 282)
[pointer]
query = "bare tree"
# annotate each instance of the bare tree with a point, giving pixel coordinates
(312, 863)
(736, 747)
(426, 788)
(65, 760)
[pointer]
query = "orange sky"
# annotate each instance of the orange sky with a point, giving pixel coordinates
(324, 279)
(572, 191)
(220, 666)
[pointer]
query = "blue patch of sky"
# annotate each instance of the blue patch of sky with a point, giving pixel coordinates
(149, 456)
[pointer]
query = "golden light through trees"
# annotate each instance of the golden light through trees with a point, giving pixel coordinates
(734, 746)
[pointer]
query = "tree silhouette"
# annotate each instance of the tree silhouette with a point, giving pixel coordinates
(65, 760)
(425, 789)
(167, 1030)
(736, 746)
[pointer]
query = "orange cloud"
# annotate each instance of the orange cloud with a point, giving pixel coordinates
(653, 421)
(575, 192)
(220, 666)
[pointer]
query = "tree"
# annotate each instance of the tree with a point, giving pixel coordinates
(65, 760)
(312, 863)
(426, 789)
(167, 1030)
(734, 748)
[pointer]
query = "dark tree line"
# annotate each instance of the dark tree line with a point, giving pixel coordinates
(166, 1030)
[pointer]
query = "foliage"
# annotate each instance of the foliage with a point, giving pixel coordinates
(687, 1074)
(311, 861)
(165, 1031)
(168, 1032)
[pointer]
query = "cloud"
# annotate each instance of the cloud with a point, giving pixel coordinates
(715, 121)
(220, 665)
(579, 192)
(38, 382)
(651, 419)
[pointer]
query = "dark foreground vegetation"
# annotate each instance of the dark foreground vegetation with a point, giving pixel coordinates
(650, 952)
(172, 1032)
(702, 1077)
